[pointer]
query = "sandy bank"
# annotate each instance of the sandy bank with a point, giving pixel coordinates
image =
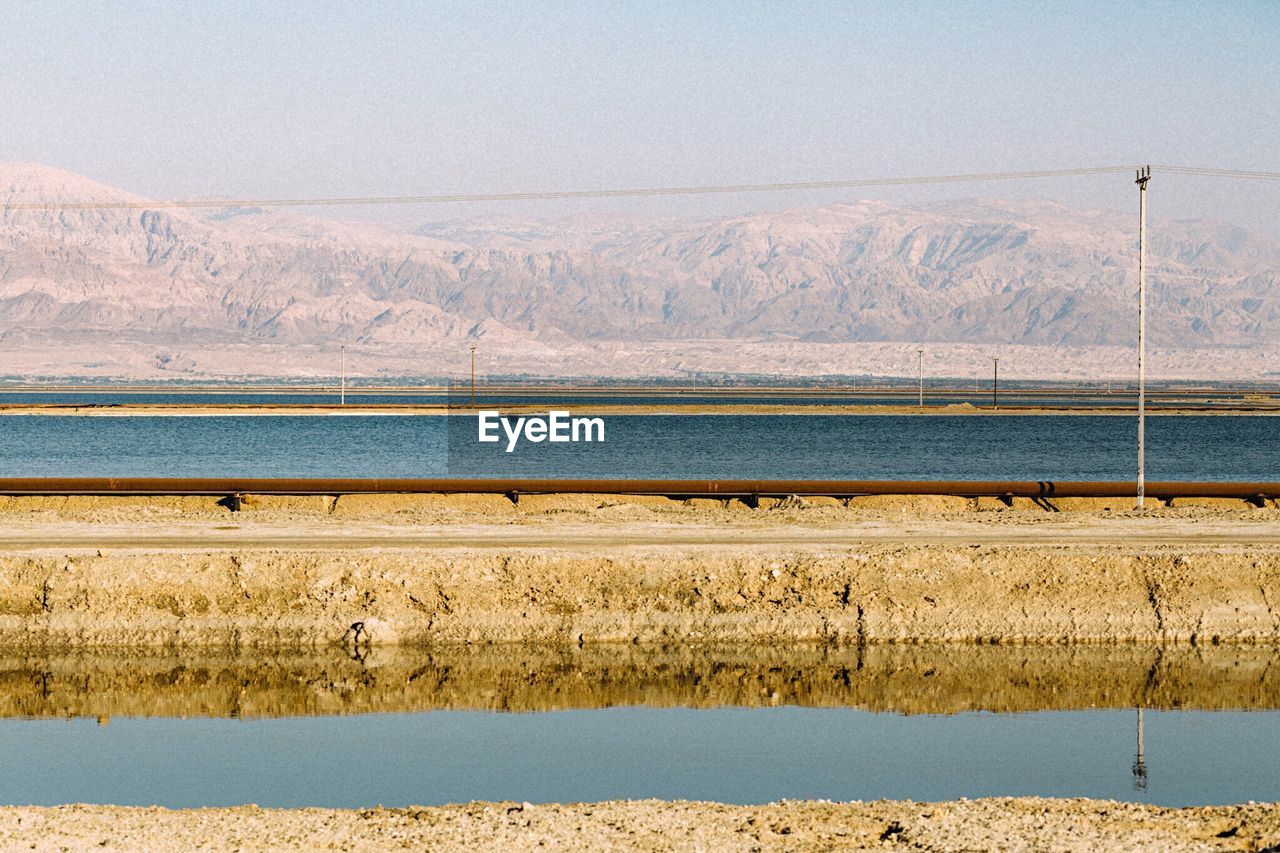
(641, 590)
(18, 511)
(1007, 824)
(429, 570)
(914, 679)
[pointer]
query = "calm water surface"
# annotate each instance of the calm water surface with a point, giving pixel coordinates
(736, 755)
(1241, 448)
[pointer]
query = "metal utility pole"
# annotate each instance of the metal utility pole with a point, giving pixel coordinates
(920, 374)
(473, 375)
(995, 382)
(342, 394)
(1144, 175)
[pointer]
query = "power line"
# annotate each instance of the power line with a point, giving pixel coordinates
(467, 198)
(1219, 173)
(460, 198)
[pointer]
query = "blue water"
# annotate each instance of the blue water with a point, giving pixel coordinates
(1222, 448)
(735, 755)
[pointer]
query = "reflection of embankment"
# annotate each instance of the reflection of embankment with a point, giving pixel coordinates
(905, 679)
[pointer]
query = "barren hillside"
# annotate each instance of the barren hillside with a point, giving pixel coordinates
(161, 290)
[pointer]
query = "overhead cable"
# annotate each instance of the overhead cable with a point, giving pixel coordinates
(633, 192)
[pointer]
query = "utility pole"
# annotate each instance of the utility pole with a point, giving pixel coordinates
(995, 382)
(473, 375)
(920, 374)
(1144, 175)
(342, 394)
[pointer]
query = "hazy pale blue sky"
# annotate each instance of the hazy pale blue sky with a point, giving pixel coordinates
(187, 99)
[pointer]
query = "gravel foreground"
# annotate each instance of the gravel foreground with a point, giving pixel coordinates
(987, 824)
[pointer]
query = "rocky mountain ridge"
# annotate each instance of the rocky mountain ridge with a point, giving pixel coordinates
(975, 272)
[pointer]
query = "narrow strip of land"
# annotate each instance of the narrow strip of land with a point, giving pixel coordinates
(627, 574)
(627, 525)
(1007, 824)
(84, 538)
(615, 409)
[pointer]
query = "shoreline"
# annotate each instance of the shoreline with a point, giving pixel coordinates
(573, 571)
(613, 410)
(1012, 823)
(253, 598)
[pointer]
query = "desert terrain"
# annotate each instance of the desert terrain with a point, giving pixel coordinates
(125, 606)
(311, 571)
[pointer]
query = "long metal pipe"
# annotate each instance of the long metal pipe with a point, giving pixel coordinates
(681, 488)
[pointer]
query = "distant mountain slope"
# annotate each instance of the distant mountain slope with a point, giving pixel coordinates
(1033, 273)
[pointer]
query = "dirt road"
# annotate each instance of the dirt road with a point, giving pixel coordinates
(581, 530)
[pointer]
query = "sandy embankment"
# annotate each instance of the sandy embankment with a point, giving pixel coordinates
(988, 824)
(255, 598)
(630, 573)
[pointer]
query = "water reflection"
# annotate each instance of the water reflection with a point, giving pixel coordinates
(904, 679)
(730, 724)
(728, 754)
(1139, 764)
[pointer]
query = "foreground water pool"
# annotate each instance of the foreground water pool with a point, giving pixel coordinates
(735, 755)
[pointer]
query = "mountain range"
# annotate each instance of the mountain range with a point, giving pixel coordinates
(172, 288)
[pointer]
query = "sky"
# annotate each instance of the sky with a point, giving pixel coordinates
(190, 99)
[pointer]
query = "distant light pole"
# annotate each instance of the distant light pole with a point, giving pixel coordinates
(920, 374)
(1144, 175)
(342, 393)
(473, 375)
(995, 382)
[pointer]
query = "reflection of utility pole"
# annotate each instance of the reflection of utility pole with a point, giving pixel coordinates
(995, 382)
(1144, 175)
(342, 394)
(920, 374)
(1139, 764)
(473, 375)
